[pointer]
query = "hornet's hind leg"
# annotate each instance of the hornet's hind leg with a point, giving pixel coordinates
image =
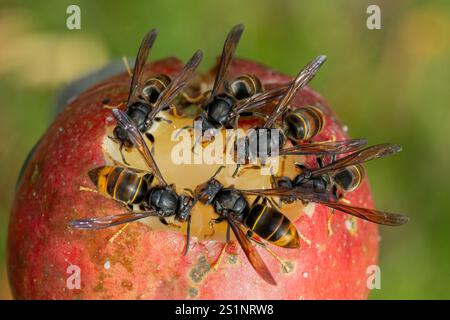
(252, 237)
(121, 146)
(218, 261)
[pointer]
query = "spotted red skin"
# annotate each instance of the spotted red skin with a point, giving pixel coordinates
(148, 264)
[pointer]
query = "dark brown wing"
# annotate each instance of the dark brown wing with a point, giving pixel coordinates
(176, 85)
(295, 193)
(138, 141)
(325, 147)
(364, 155)
(261, 99)
(250, 251)
(110, 221)
(372, 215)
(141, 58)
(301, 80)
(276, 192)
(227, 55)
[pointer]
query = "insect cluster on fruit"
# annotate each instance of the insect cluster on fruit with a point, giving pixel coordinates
(284, 132)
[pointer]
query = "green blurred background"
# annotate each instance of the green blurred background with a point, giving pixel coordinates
(390, 85)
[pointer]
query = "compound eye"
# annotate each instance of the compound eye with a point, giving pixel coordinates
(244, 87)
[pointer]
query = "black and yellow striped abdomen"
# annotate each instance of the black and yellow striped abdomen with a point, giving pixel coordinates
(154, 86)
(273, 226)
(303, 123)
(349, 178)
(245, 86)
(120, 183)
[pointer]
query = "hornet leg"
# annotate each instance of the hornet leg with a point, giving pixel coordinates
(120, 149)
(192, 100)
(212, 222)
(169, 224)
(118, 233)
(188, 235)
(251, 237)
(216, 264)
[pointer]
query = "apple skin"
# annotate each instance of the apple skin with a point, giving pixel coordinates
(149, 264)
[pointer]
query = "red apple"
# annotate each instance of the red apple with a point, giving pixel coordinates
(46, 257)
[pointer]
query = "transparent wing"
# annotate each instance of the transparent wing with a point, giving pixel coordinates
(110, 221)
